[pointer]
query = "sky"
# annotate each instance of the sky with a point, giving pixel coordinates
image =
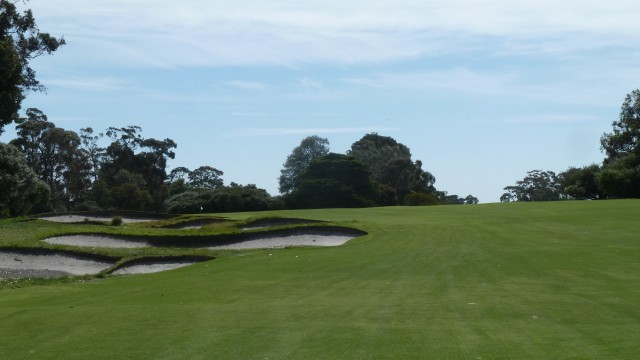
(480, 91)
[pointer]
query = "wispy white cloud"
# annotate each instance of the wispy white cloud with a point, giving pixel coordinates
(459, 80)
(259, 132)
(88, 83)
(254, 32)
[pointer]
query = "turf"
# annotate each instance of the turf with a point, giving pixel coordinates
(498, 281)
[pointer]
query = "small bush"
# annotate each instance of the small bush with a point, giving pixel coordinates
(420, 199)
(116, 221)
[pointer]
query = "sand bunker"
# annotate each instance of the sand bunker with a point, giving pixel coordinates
(81, 218)
(97, 241)
(147, 266)
(287, 241)
(22, 264)
(306, 236)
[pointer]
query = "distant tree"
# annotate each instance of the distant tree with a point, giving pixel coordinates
(206, 177)
(133, 165)
(20, 188)
(310, 148)
(179, 173)
(620, 178)
(93, 151)
(234, 198)
(471, 200)
(538, 185)
(581, 183)
(620, 174)
(625, 138)
(420, 199)
(20, 42)
(390, 164)
(334, 180)
(56, 157)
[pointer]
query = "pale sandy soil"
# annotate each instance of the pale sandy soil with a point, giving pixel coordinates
(96, 241)
(286, 241)
(266, 242)
(153, 267)
(15, 264)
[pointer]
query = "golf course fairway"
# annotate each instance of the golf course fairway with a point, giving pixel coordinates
(557, 280)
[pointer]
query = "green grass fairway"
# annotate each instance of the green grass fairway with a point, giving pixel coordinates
(498, 281)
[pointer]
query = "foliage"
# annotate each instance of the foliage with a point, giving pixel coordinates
(206, 177)
(538, 185)
(620, 175)
(390, 164)
(620, 178)
(581, 183)
(133, 170)
(310, 148)
(224, 199)
(116, 221)
(20, 188)
(420, 199)
(20, 42)
(457, 200)
(55, 155)
(334, 180)
(625, 138)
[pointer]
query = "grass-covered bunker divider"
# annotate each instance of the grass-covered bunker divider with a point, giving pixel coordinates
(275, 221)
(209, 241)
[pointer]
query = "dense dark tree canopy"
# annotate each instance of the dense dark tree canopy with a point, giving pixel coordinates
(581, 183)
(390, 164)
(206, 177)
(334, 180)
(133, 167)
(20, 188)
(310, 148)
(620, 174)
(538, 185)
(20, 42)
(625, 138)
(56, 157)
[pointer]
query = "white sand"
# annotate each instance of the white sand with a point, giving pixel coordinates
(15, 264)
(154, 267)
(96, 241)
(254, 243)
(80, 218)
(286, 241)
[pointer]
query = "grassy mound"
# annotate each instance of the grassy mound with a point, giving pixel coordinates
(521, 281)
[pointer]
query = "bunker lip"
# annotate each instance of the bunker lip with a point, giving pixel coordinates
(23, 263)
(195, 223)
(154, 264)
(286, 237)
(276, 221)
(102, 216)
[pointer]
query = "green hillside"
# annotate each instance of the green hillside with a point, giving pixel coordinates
(554, 280)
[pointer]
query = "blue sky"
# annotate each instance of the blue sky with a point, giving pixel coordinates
(480, 91)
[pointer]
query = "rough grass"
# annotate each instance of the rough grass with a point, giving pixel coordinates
(499, 281)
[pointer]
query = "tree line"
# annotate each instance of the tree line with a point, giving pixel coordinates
(617, 177)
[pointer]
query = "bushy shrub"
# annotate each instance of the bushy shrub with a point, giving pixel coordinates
(420, 199)
(116, 221)
(226, 199)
